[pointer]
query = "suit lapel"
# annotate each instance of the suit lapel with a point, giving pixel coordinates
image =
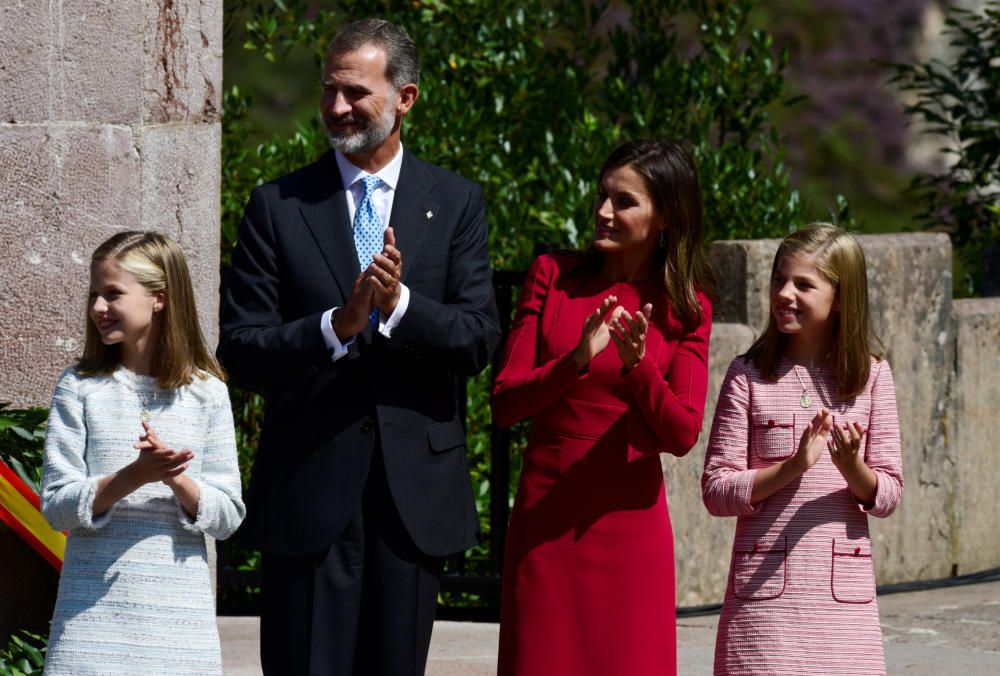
(327, 218)
(413, 210)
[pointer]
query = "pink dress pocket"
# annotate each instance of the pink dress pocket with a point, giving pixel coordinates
(852, 575)
(759, 568)
(773, 436)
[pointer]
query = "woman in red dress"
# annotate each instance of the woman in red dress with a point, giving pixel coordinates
(589, 570)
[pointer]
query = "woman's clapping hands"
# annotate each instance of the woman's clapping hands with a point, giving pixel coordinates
(157, 462)
(595, 336)
(629, 334)
(611, 322)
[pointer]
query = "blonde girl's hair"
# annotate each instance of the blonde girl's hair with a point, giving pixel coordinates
(158, 264)
(839, 258)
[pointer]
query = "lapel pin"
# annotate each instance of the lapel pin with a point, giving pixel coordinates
(430, 214)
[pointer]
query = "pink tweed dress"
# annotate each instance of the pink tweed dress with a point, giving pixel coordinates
(801, 593)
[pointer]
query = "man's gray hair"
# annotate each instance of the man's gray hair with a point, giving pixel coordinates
(402, 63)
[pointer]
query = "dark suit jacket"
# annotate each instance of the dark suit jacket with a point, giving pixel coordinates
(296, 259)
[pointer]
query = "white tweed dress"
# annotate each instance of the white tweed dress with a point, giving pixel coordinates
(135, 594)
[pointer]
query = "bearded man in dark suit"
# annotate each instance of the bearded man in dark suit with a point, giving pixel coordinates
(359, 291)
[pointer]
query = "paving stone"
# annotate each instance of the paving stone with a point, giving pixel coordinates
(949, 630)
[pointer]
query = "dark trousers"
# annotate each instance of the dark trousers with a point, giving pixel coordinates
(365, 607)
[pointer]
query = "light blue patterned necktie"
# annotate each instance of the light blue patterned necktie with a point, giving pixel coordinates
(368, 230)
(368, 233)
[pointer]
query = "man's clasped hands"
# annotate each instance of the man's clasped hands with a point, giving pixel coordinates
(377, 286)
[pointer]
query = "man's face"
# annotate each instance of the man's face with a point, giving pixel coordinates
(358, 105)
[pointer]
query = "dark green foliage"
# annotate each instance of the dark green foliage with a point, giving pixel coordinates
(960, 102)
(24, 655)
(846, 132)
(527, 98)
(22, 438)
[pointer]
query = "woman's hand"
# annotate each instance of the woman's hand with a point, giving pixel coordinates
(168, 465)
(769, 480)
(844, 447)
(156, 462)
(629, 334)
(812, 442)
(595, 334)
(849, 459)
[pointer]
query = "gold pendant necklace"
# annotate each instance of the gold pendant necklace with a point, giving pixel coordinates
(804, 401)
(146, 415)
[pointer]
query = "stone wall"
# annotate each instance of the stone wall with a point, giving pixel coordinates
(109, 121)
(971, 420)
(939, 352)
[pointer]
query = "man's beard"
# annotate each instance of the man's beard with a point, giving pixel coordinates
(372, 134)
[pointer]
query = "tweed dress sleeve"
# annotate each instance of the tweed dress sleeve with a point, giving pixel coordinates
(524, 389)
(220, 501)
(671, 405)
(883, 451)
(726, 483)
(68, 492)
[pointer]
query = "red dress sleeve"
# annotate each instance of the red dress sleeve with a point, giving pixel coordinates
(670, 406)
(522, 388)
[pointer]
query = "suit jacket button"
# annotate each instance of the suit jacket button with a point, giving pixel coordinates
(368, 426)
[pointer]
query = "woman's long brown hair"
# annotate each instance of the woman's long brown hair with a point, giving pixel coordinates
(672, 181)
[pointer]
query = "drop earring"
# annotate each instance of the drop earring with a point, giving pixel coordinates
(663, 238)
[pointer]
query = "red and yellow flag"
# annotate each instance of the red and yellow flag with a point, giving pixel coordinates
(20, 509)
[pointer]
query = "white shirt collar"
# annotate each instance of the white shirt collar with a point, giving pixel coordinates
(351, 174)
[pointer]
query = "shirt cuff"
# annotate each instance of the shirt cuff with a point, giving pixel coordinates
(385, 326)
(333, 344)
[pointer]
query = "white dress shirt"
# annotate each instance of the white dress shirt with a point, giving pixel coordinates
(382, 201)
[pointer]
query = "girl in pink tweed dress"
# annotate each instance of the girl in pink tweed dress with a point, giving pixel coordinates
(804, 446)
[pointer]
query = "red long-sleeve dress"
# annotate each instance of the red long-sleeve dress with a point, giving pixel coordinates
(588, 583)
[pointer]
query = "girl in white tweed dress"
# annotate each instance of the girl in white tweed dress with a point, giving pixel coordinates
(804, 447)
(140, 464)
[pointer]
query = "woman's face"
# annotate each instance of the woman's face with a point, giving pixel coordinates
(803, 301)
(121, 308)
(625, 218)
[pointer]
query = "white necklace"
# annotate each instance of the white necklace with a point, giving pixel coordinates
(145, 415)
(804, 401)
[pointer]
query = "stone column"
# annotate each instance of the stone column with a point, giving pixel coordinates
(109, 121)
(971, 418)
